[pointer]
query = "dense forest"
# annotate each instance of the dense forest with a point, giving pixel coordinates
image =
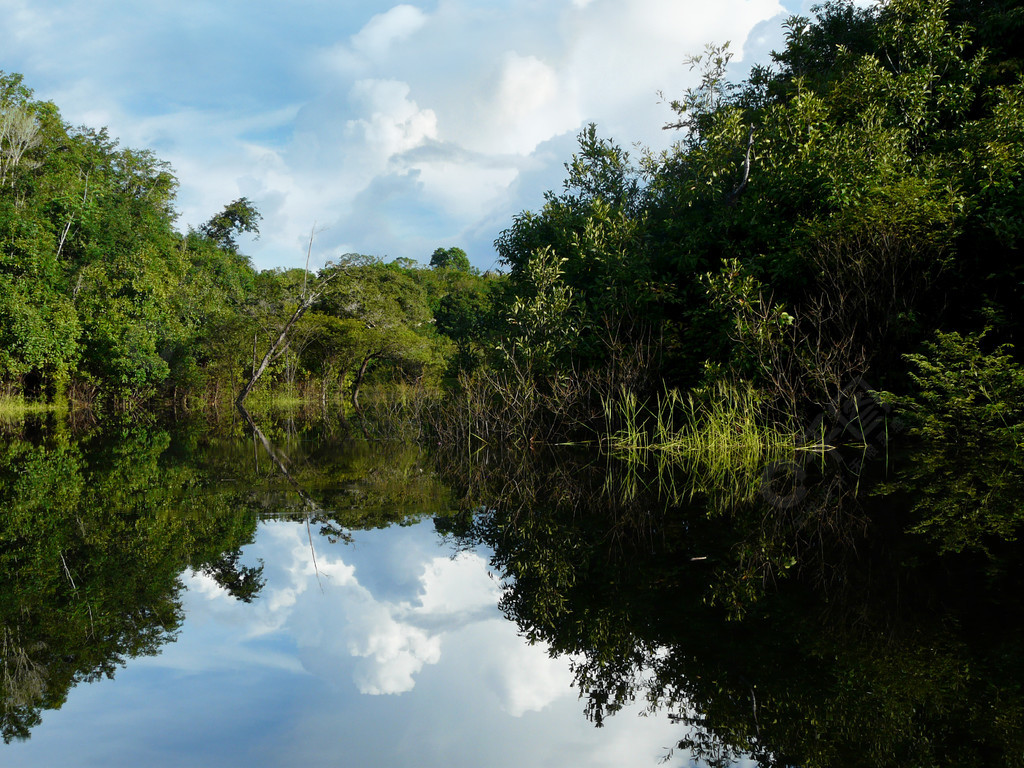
(854, 208)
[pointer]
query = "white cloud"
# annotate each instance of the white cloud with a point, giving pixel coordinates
(531, 104)
(372, 44)
(386, 29)
(394, 653)
(527, 85)
(455, 585)
(336, 622)
(206, 586)
(529, 680)
(315, 112)
(391, 122)
(464, 190)
(473, 692)
(27, 25)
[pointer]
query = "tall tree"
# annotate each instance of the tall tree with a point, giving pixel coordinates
(238, 217)
(450, 258)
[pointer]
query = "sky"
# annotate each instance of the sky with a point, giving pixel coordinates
(374, 127)
(389, 651)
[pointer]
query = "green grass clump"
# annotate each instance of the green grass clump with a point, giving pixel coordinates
(722, 426)
(718, 436)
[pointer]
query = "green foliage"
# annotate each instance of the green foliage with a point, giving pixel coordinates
(541, 319)
(860, 191)
(965, 397)
(465, 315)
(386, 322)
(450, 258)
(37, 331)
(582, 256)
(97, 284)
(92, 542)
(863, 190)
(237, 218)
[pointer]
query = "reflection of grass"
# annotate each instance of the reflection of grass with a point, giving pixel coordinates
(719, 436)
(16, 408)
(283, 400)
(397, 411)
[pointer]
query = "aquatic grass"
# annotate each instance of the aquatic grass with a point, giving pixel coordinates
(720, 434)
(397, 410)
(714, 443)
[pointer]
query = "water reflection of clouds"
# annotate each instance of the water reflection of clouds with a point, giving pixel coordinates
(338, 623)
(283, 681)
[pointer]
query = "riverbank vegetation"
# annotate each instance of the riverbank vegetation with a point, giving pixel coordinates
(845, 211)
(828, 258)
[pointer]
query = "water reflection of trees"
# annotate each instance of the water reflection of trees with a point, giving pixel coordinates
(92, 540)
(336, 483)
(869, 623)
(97, 529)
(819, 634)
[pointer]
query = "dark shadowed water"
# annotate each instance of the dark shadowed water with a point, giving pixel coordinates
(288, 595)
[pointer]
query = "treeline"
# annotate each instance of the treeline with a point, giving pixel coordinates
(101, 296)
(853, 208)
(857, 200)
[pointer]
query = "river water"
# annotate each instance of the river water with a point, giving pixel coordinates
(197, 594)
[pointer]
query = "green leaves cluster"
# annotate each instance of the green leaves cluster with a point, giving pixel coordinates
(97, 286)
(95, 283)
(579, 260)
(967, 397)
(868, 182)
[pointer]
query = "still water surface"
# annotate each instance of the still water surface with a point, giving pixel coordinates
(192, 595)
(395, 655)
(382, 647)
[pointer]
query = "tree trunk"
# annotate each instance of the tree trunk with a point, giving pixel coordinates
(277, 347)
(359, 377)
(280, 344)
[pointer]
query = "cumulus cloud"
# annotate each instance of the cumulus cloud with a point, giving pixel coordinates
(393, 651)
(321, 115)
(391, 123)
(455, 585)
(394, 639)
(389, 615)
(386, 29)
(374, 41)
(206, 586)
(529, 680)
(464, 189)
